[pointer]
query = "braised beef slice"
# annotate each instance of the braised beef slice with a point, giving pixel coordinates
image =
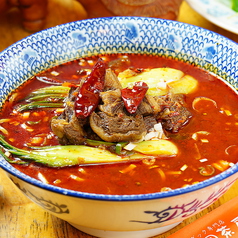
(149, 121)
(67, 127)
(68, 132)
(118, 128)
(69, 104)
(112, 103)
(119, 64)
(154, 102)
(111, 81)
(145, 108)
(112, 123)
(174, 115)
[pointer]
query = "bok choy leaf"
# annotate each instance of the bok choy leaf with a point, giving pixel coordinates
(48, 97)
(69, 155)
(60, 156)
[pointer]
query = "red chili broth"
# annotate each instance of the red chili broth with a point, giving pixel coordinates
(122, 178)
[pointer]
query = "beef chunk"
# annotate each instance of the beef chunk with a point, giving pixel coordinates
(119, 64)
(111, 102)
(69, 104)
(150, 121)
(111, 81)
(145, 108)
(174, 115)
(118, 128)
(112, 123)
(67, 127)
(70, 132)
(156, 103)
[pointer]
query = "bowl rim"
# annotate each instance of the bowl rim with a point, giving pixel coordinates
(105, 197)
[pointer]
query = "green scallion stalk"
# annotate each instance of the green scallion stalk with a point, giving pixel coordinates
(40, 104)
(119, 147)
(48, 96)
(51, 90)
(98, 143)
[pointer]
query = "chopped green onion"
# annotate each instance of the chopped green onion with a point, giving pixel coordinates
(119, 147)
(209, 170)
(33, 122)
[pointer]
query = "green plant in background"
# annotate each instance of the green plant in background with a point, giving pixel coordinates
(234, 5)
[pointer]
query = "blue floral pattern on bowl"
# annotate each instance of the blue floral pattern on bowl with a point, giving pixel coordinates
(110, 35)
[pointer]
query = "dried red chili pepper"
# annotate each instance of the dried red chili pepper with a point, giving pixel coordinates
(132, 97)
(88, 96)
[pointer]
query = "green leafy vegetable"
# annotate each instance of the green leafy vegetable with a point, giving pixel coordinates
(48, 97)
(39, 104)
(68, 155)
(157, 147)
(10, 160)
(51, 90)
(60, 156)
(161, 81)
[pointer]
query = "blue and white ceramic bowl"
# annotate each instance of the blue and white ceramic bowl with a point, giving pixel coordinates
(112, 216)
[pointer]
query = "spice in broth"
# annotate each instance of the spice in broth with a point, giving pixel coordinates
(121, 124)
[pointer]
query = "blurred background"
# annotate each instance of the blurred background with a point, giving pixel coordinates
(20, 18)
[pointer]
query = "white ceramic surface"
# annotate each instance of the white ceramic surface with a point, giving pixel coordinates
(218, 12)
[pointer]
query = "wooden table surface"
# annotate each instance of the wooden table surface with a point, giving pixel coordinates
(19, 217)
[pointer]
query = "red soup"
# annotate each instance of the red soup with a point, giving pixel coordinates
(165, 124)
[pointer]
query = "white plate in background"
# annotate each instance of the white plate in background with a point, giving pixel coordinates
(218, 12)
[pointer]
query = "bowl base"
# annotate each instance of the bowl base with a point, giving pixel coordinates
(124, 234)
